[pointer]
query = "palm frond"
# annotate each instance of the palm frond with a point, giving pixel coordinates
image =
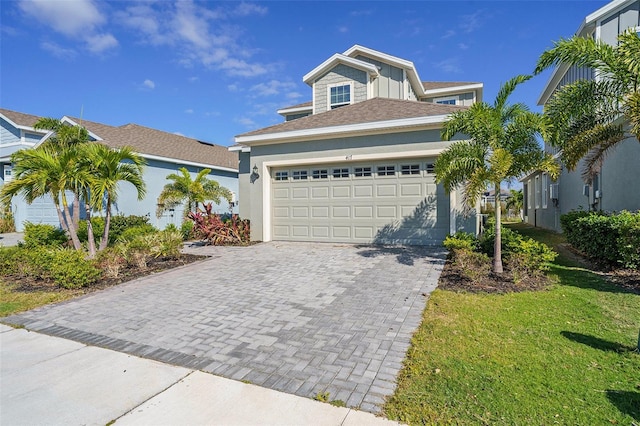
(507, 89)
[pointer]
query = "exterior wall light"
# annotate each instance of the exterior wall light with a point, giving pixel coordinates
(254, 176)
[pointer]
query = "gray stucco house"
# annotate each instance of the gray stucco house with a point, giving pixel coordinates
(615, 187)
(355, 164)
(165, 153)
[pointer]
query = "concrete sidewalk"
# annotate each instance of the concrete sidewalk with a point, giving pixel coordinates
(11, 239)
(50, 380)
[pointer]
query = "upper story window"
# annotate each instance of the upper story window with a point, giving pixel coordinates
(446, 101)
(340, 95)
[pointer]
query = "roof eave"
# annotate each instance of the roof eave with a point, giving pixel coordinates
(309, 78)
(285, 111)
(375, 127)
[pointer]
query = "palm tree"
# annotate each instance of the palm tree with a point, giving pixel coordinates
(107, 168)
(44, 171)
(502, 145)
(515, 200)
(586, 114)
(193, 191)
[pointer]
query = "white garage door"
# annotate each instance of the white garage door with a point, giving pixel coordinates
(393, 202)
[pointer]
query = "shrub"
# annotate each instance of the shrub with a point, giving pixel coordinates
(461, 240)
(111, 260)
(610, 238)
(69, 268)
(7, 224)
(529, 253)
(187, 230)
(120, 223)
(134, 232)
(142, 248)
(473, 264)
(38, 235)
(220, 229)
(9, 259)
(98, 229)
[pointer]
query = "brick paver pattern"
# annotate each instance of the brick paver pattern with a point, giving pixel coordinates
(301, 318)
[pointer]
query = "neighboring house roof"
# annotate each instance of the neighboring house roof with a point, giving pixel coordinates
(20, 119)
(369, 111)
(150, 143)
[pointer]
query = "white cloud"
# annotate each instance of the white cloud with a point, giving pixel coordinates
(294, 95)
(246, 121)
(463, 46)
(193, 79)
(101, 42)
(448, 34)
(198, 34)
(471, 22)
(449, 65)
(75, 19)
(273, 87)
(343, 29)
(233, 87)
(149, 84)
(188, 111)
(246, 9)
(57, 50)
(364, 12)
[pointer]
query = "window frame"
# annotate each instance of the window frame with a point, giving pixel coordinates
(445, 100)
(386, 170)
(341, 172)
(318, 174)
(545, 190)
(538, 191)
(299, 175)
(281, 176)
(363, 172)
(331, 106)
(411, 169)
(430, 168)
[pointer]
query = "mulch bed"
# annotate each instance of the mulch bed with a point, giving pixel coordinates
(453, 278)
(27, 284)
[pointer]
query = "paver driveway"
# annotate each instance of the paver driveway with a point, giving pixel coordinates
(301, 318)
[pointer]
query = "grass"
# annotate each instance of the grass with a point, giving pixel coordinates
(561, 356)
(12, 301)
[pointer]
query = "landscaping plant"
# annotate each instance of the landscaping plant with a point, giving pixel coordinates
(217, 229)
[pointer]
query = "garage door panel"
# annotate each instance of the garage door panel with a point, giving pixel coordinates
(386, 190)
(320, 192)
(393, 209)
(360, 191)
(342, 191)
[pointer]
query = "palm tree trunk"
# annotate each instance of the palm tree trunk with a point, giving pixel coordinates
(497, 245)
(91, 241)
(104, 241)
(73, 231)
(76, 210)
(61, 218)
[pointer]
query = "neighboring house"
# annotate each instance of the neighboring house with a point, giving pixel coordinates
(615, 188)
(488, 198)
(356, 163)
(164, 152)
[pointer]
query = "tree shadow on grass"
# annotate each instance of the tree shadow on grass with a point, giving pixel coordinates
(596, 342)
(406, 255)
(579, 277)
(628, 402)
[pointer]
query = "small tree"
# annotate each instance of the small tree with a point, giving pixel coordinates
(193, 192)
(515, 201)
(502, 145)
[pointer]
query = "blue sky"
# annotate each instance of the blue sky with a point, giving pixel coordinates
(212, 70)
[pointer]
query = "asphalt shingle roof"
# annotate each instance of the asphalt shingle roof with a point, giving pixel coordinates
(432, 85)
(148, 141)
(369, 111)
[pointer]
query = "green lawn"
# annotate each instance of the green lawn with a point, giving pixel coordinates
(12, 301)
(562, 356)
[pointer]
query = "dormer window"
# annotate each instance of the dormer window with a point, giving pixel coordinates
(451, 100)
(340, 95)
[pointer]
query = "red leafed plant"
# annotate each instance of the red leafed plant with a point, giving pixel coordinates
(217, 229)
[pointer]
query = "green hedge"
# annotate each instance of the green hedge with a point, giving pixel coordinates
(119, 225)
(610, 238)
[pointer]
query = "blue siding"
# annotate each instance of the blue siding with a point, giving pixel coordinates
(8, 133)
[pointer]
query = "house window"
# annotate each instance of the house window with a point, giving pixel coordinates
(320, 174)
(538, 190)
(282, 175)
(410, 169)
(362, 171)
(446, 101)
(525, 198)
(545, 190)
(340, 95)
(299, 175)
(7, 174)
(430, 168)
(340, 173)
(386, 170)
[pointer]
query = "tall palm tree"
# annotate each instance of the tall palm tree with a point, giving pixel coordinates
(108, 167)
(192, 191)
(591, 117)
(44, 171)
(502, 145)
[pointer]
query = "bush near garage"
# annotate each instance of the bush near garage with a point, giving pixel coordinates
(220, 229)
(40, 234)
(609, 238)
